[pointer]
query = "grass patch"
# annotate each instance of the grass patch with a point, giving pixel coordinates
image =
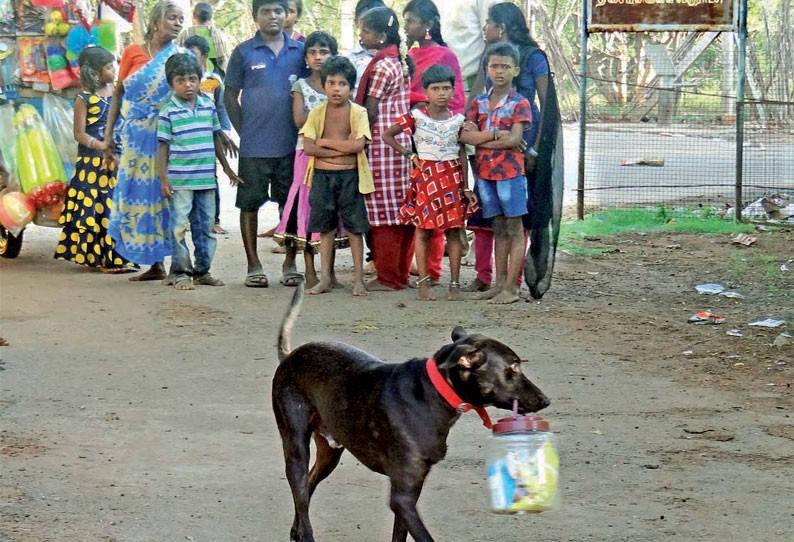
(607, 223)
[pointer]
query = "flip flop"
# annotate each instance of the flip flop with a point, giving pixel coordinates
(292, 279)
(183, 282)
(208, 280)
(256, 279)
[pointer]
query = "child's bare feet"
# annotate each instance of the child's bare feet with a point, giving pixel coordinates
(488, 294)
(322, 287)
(183, 282)
(335, 284)
(375, 285)
(359, 288)
(311, 280)
(454, 293)
(505, 297)
(476, 286)
(425, 292)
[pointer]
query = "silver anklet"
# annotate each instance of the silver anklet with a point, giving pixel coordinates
(454, 284)
(423, 279)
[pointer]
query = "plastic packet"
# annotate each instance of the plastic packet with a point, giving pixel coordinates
(710, 288)
(8, 145)
(33, 60)
(706, 318)
(58, 118)
(769, 322)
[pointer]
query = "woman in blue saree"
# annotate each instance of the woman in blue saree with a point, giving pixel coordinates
(140, 215)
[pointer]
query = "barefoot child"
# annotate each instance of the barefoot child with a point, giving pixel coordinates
(188, 134)
(84, 239)
(439, 189)
(335, 135)
(495, 125)
(292, 231)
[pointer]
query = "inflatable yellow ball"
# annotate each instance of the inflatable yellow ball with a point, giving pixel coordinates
(16, 211)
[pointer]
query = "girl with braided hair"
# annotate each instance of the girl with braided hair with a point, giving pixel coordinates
(384, 90)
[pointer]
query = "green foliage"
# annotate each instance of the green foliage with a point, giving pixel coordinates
(606, 223)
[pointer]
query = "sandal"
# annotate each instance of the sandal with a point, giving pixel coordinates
(292, 279)
(256, 279)
(208, 280)
(118, 270)
(184, 282)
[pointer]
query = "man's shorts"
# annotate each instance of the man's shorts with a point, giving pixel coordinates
(508, 197)
(335, 194)
(264, 179)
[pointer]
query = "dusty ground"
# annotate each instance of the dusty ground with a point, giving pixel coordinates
(132, 412)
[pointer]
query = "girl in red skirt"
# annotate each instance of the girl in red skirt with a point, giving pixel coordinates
(439, 197)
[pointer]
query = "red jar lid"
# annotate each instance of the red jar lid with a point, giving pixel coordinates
(520, 423)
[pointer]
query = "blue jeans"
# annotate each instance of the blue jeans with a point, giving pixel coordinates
(198, 208)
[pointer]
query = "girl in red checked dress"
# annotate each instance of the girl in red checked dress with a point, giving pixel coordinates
(384, 90)
(439, 196)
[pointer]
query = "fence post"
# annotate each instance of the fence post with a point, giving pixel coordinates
(740, 109)
(582, 114)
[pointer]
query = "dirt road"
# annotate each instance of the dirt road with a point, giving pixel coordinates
(136, 413)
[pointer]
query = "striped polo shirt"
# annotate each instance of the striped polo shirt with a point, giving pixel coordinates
(189, 133)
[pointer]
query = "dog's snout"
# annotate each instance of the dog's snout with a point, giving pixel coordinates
(544, 402)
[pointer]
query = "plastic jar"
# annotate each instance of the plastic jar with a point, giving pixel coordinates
(522, 466)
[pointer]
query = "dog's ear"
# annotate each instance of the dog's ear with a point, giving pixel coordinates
(458, 333)
(468, 357)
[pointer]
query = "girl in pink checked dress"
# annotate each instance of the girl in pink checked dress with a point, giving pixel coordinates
(384, 89)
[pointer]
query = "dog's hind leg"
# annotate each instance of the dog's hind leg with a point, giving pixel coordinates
(404, 494)
(326, 460)
(293, 423)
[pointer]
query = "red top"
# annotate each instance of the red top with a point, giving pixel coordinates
(424, 57)
(499, 164)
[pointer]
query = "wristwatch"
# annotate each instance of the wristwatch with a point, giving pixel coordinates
(407, 153)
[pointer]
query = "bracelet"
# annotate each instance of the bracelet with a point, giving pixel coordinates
(407, 152)
(91, 142)
(532, 152)
(411, 156)
(495, 134)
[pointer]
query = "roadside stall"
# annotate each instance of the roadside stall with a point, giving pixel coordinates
(40, 42)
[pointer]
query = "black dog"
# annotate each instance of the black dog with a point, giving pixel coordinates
(390, 416)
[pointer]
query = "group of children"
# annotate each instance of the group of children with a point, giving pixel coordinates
(341, 153)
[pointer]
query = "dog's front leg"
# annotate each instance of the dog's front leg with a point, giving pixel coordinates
(404, 495)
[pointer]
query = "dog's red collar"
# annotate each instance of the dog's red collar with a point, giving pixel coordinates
(451, 397)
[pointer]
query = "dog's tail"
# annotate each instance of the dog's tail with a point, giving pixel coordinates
(289, 320)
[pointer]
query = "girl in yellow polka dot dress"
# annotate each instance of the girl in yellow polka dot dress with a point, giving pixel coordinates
(85, 238)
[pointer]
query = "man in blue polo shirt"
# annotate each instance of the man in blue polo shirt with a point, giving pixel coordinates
(263, 68)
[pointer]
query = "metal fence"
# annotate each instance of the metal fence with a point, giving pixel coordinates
(661, 130)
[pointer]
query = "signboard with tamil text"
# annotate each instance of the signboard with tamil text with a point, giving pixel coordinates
(662, 15)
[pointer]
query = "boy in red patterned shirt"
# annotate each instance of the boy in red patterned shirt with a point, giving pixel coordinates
(495, 126)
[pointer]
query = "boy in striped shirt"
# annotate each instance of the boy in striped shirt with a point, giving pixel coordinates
(188, 134)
